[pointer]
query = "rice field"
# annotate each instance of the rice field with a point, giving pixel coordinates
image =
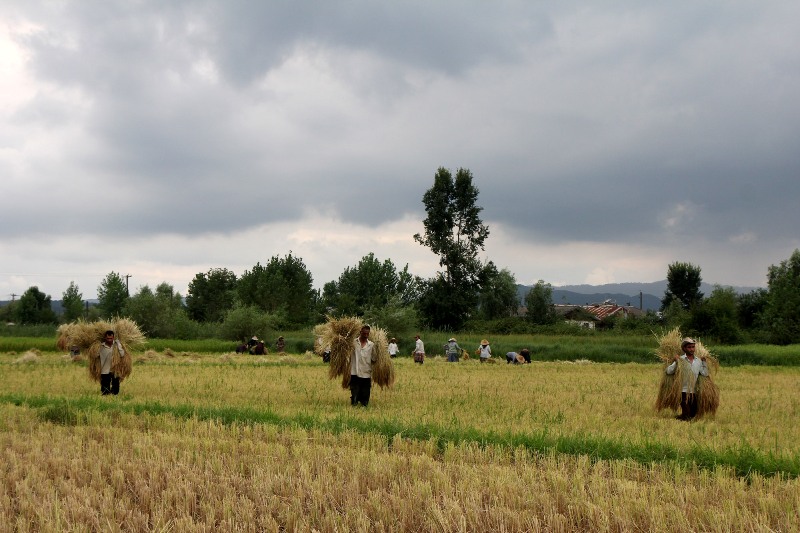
(224, 442)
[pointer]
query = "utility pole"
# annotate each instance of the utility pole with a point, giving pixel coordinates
(127, 289)
(14, 296)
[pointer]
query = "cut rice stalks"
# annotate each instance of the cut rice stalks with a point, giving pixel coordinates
(88, 336)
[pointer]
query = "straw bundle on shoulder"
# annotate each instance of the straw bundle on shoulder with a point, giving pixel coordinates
(339, 334)
(669, 390)
(707, 396)
(65, 334)
(706, 390)
(382, 368)
(88, 336)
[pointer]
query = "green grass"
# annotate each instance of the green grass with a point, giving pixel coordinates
(742, 460)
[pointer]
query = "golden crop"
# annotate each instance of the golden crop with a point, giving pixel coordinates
(112, 470)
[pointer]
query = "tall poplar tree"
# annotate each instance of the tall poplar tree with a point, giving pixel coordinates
(72, 303)
(112, 294)
(453, 231)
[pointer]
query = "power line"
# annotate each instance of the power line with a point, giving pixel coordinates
(51, 274)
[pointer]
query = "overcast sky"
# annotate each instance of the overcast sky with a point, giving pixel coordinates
(608, 139)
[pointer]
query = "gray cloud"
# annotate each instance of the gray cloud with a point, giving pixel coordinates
(629, 125)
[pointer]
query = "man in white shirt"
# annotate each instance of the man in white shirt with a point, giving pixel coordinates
(364, 354)
(419, 350)
(393, 348)
(691, 367)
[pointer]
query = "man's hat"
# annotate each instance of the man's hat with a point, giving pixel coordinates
(484, 342)
(451, 339)
(687, 340)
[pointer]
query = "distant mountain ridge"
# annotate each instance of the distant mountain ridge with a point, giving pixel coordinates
(627, 294)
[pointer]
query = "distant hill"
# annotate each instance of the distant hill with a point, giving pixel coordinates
(56, 305)
(619, 293)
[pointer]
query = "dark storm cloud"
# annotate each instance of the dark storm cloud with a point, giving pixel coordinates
(629, 123)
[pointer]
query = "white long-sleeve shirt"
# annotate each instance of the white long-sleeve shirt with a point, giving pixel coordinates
(486, 351)
(107, 355)
(419, 347)
(698, 368)
(362, 359)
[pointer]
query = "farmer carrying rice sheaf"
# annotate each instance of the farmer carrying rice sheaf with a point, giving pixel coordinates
(364, 355)
(692, 368)
(686, 382)
(108, 348)
(358, 354)
(109, 381)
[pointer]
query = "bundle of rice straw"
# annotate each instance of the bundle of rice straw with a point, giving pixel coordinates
(64, 332)
(706, 390)
(382, 368)
(669, 390)
(88, 336)
(340, 334)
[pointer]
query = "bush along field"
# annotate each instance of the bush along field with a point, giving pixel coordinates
(200, 441)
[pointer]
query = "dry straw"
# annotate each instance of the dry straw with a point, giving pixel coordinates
(88, 336)
(340, 334)
(31, 356)
(671, 386)
(382, 368)
(669, 390)
(706, 390)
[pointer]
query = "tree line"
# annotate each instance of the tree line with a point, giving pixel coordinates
(466, 293)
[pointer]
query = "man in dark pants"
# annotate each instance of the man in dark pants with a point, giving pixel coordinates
(364, 354)
(109, 383)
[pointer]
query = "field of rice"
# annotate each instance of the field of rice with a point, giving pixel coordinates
(224, 442)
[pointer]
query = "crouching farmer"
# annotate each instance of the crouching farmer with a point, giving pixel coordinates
(364, 354)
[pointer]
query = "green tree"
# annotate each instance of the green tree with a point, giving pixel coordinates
(752, 306)
(157, 313)
(112, 294)
(453, 231)
(34, 307)
(782, 315)
(397, 318)
(675, 316)
(370, 284)
(211, 295)
(72, 302)
(8, 313)
(683, 284)
(539, 301)
(243, 322)
(283, 286)
(498, 294)
(717, 316)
